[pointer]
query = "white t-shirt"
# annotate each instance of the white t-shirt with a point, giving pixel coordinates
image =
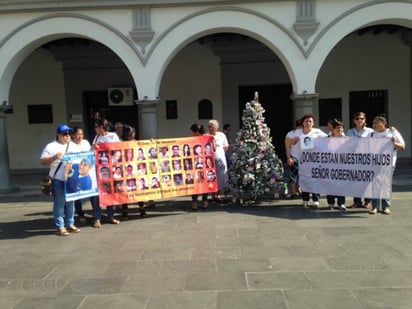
(110, 137)
(83, 146)
(364, 132)
(52, 149)
(294, 148)
(221, 142)
(390, 133)
(315, 132)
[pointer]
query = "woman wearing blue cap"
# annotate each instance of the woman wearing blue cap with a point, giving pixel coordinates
(52, 154)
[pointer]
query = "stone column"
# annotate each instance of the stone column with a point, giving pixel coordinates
(147, 118)
(5, 182)
(303, 104)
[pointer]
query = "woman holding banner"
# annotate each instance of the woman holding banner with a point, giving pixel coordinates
(308, 131)
(81, 145)
(129, 134)
(337, 131)
(198, 130)
(52, 154)
(102, 136)
(359, 130)
(380, 129)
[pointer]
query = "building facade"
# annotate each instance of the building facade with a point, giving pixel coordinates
(162, 65)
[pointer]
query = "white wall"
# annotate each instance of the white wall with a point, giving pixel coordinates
(39, 80)
(193, 75)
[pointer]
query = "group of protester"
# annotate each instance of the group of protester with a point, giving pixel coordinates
(71, 140)
(304, 131)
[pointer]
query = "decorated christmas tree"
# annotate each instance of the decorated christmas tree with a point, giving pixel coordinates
(256, 169)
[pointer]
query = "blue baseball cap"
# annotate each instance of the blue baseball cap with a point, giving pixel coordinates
(63, 128)
(87, 161)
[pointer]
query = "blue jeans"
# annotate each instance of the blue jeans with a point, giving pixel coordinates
(384, 203)
(78, 208)
(97, 211)
(63, 212)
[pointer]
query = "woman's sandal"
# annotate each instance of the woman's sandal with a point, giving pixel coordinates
(194, 206)
(143, 213)
(204, 206)
(62, 232)
(97, 224)
(114, 221)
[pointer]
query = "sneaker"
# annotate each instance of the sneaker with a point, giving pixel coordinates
(305, 204)
(316, 205)
(373, 211)
(355, 205)
(330, 206)
(342, 207)
(386, 211)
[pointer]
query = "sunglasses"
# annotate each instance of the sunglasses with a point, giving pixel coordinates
(359, 118)
(66, 134)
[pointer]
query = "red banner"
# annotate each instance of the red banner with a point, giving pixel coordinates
(130, 172)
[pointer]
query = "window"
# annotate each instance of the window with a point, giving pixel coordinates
(205, 109)
(40, 113)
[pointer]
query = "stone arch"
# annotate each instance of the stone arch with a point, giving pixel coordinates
(367, 14)
(23, 40)
(243, 21)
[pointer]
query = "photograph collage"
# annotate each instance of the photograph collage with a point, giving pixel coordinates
(144, 170)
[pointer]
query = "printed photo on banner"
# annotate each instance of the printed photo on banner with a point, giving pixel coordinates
(348, 166)
(81, 180)
(152, 169)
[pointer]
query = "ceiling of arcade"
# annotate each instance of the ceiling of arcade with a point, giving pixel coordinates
(229, 47)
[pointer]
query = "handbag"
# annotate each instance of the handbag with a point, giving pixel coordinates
(47, 182)
(46, 185)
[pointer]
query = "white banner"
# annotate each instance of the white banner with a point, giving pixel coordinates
(348, 166)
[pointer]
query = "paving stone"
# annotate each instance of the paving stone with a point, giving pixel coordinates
(183, 300)
(322, 299)
(9, 302)
(124, 301)
(243, 265)
(215, 281)
(93, 286)
(188, 266)
(154, 283)
(299, 264)
(49, 302)
(399, 298)
(251, 299)
(32, 287)
(277, 281)
(359, 279)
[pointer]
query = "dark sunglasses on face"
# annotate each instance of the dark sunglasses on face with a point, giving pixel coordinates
(360, 118)
(66, 134)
